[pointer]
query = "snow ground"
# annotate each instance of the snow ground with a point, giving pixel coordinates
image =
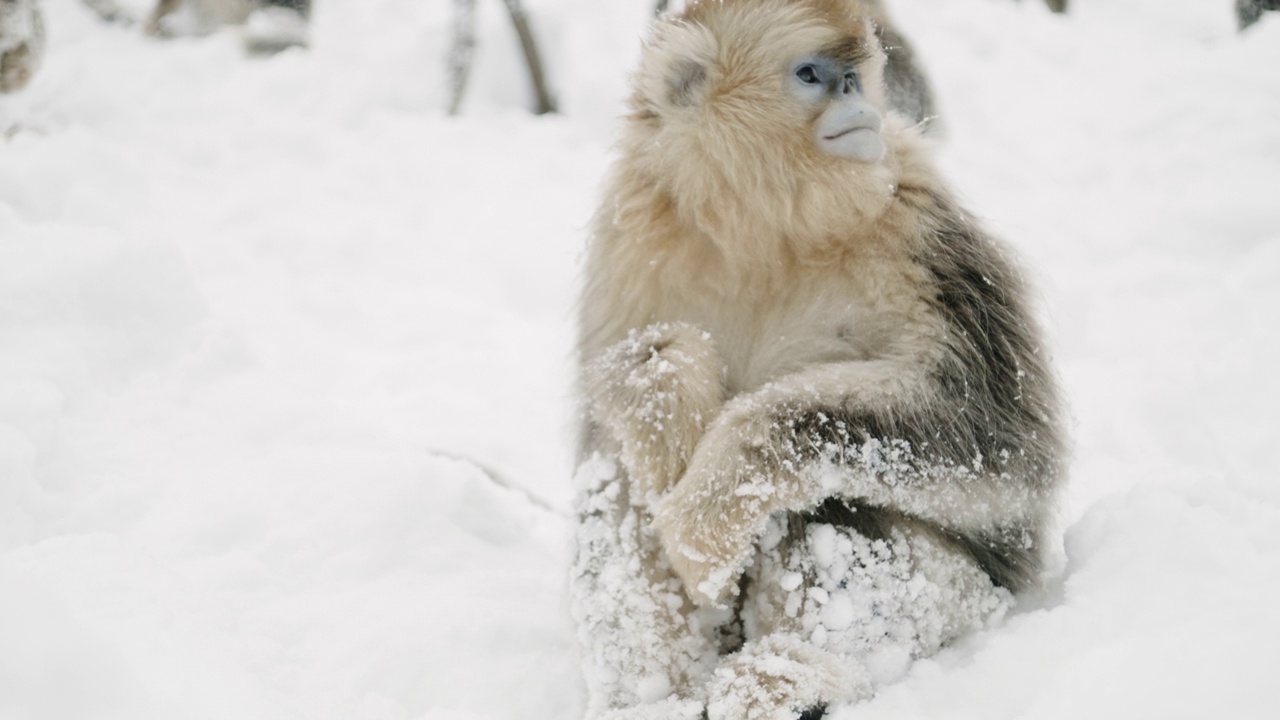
(285, 401)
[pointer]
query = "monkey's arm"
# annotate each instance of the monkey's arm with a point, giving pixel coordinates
(649, 396)
(654, 392)
(878, 433)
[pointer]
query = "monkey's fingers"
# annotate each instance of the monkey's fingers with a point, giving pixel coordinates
(709, 533)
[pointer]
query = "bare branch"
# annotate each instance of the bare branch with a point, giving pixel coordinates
(544, 103)
(462, 52)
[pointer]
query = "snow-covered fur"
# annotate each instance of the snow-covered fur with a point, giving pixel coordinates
(21, 43)
(821, 434)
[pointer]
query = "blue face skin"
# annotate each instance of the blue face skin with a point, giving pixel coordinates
(849, 125)
(824, 74)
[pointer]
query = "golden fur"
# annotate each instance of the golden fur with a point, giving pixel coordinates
(750, 245)
(766, 328)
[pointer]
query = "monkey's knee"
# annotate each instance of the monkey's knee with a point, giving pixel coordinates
(868, 586)
(655, 392)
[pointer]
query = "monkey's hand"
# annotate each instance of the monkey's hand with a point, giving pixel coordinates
(806, 437)
(738, 477)
(758, 458)
(655, 392)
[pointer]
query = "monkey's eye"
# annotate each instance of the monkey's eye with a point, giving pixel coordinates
(808, 75)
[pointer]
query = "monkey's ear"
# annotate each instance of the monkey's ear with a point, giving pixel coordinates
(686, 79)
(677, 66)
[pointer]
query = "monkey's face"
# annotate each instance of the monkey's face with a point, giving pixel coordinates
(847, 125)
(763, 89)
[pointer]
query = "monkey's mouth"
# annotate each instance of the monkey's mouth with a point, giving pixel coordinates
(857, 142)
(846, 131)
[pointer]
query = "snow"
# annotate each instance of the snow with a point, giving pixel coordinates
(285, 361)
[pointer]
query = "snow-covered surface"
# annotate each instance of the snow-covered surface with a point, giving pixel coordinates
(285, 397)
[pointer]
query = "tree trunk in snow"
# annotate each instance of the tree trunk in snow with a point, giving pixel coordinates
(462, 52)
(542, 96)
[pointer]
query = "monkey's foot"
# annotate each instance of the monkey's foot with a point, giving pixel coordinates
(784, 673)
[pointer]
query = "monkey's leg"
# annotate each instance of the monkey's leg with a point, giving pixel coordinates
(846, 598)
(646, 650)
